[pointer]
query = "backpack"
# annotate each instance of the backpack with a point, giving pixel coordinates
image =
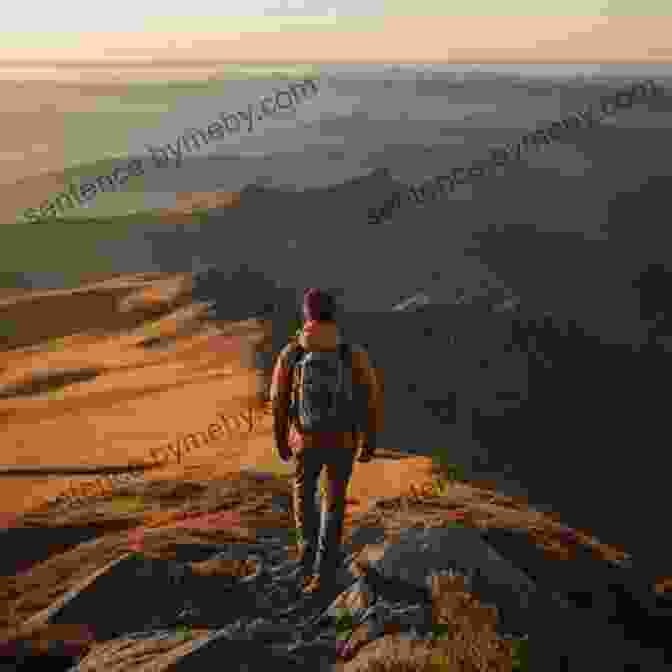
(322, 389)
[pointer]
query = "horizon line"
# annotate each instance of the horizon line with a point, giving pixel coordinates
(283, 63)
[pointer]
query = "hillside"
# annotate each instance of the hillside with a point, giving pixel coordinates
(159, 365)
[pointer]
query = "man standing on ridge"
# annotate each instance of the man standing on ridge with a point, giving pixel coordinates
(326, 404)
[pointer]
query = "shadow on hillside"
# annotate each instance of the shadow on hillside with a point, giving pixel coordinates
(605, 594)
(427, 363)
(97, 311)
(587, 440)
(556, 400)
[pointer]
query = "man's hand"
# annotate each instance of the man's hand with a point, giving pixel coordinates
(366, 452)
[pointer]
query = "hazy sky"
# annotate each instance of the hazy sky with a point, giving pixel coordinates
(123, 15)
(71, 28)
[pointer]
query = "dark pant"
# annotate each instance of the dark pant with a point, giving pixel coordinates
(321, 533)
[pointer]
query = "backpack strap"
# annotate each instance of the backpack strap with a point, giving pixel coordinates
(298, 352)
(293, 358)
(345, 351)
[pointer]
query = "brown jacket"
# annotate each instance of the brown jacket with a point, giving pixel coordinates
(322, 336)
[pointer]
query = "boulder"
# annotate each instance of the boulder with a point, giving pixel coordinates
(405, 567)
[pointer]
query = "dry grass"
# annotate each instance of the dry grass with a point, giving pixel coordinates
(236, 569)
(393, 653)
(125, 653)
(466, 638)
(471, 641)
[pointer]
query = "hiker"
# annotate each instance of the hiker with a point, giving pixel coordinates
(325, 401)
